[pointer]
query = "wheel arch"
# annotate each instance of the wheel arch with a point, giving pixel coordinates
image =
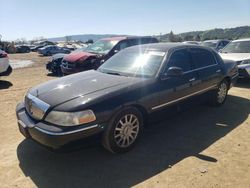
(228, 79)
(139, 107)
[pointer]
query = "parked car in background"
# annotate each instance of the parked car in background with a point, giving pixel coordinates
(35, 48)
(52, 49)
(239, 51)
(41, 44)
(54, 64)
(5, 68)
(191, 42)
(22, 49)
(115, 100)
(215, 44)
(97, 53)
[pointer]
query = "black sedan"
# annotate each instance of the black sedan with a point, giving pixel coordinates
(115, 100)
(22, 49)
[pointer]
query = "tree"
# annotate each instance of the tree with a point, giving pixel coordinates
(197, 38)
(171, 37)
(90, 41)
(189, 38)
(68, 38)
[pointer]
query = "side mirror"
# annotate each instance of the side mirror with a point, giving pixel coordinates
(172, 72)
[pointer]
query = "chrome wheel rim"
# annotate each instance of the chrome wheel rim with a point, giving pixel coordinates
(126, 130)
(222, 92)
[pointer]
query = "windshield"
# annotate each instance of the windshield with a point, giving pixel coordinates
(79, 50)
(101, 46)
(209, 44)
(237, 47)
(134, 63)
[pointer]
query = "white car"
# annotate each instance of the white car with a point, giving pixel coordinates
(239, 51)
(5, 68)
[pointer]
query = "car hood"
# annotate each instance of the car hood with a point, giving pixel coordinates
(70, 87)
(58, 56)
(235, 56)
(75, 56)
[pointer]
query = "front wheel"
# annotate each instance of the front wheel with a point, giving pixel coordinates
(218, 96)
(123, 131)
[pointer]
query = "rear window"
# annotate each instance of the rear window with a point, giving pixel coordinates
(202, 58)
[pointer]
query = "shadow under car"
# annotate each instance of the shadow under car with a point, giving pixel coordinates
(164, 143)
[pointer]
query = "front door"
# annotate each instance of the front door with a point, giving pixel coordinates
(176, 88)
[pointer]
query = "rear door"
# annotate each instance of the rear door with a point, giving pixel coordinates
(208, 69)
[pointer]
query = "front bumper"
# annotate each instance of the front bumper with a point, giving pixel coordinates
(234, 80)
(244, 71)
(52, 136)
(7, 72)
(67, 71)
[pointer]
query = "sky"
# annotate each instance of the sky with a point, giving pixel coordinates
(56, 18)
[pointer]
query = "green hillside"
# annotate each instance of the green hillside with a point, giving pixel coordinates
(228, 33)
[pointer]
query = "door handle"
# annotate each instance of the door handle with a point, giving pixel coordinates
(218, 71)
(192, 79)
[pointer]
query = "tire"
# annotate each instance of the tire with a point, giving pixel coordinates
(123, 131)
(219, 95)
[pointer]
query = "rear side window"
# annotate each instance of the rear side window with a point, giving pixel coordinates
(202, 58)
(181, 58)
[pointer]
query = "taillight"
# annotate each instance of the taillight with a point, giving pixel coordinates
(4, 54)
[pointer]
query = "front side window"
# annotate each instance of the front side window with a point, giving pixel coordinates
(237, 47)
(202, 58)
(182, 59)
(134, 63)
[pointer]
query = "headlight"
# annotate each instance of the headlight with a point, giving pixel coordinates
(70, 118)
(245, 61)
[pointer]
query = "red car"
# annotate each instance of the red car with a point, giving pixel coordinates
(94, 55)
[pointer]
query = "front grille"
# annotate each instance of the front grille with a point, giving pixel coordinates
(35, 107)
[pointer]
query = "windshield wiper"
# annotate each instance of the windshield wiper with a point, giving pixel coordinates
(113, 73)
(116, 73)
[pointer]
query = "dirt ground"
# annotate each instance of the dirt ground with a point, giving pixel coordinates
(200, 147)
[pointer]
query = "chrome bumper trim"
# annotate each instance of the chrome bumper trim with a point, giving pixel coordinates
(66, 133)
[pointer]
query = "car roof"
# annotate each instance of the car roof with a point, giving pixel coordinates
(241, 40)
(216, 40)
(163, 47)
(126, 37)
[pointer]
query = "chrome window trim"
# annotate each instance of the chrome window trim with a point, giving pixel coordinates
(188, 49)
(199, 68)
(182, 98)
(65, 133)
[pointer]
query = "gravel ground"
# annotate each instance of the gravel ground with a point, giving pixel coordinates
(199, 147)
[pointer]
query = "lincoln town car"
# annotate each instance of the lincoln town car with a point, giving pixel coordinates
(115, 100)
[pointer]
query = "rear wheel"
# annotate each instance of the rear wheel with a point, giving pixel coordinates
(123, 131)
(218, 96)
